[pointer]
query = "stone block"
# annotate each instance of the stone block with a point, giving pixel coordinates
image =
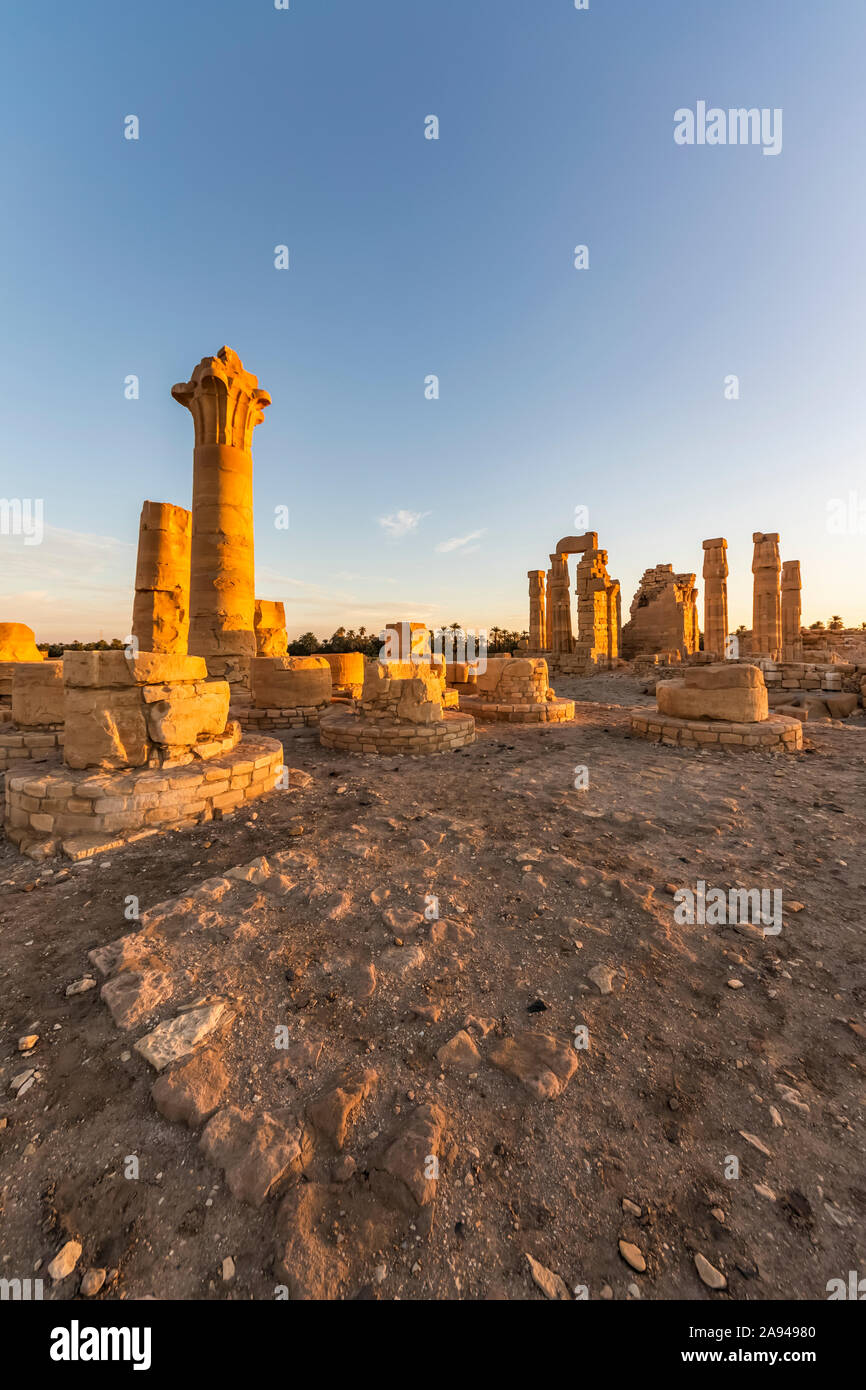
(285, 682)
(37, 693)
(186, 713)
(105, 728)
(743, 704)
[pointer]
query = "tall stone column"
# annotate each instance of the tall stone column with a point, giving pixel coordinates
(537, 617)
(715, 596)
(792, 642)
(560, 604)
(767, 603)
(160, 610)
(226, 404)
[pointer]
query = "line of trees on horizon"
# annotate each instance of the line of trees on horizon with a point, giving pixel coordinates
(499, 640)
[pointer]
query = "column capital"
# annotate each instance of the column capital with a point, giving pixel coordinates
(224, 399)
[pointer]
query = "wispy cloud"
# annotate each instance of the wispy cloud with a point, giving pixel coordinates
(401, 523)
(460, 542)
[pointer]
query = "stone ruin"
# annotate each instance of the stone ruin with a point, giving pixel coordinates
(767, 604)
(160, 612)
(147, 736)
(664, 616)
(347, 674)
(269, 621)
(719, 705)
(404, 705)
(514, 690)
(715, 576)
(599, 622)
(287, 692)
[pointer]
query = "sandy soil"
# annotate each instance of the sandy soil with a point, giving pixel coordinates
(538, 885)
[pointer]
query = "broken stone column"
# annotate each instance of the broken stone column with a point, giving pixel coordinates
(160, 611)
(226, 405)
(792, 641)
(537, 619)
(599, 609)
(559, 602)
(715, 596)
(270, 628)
(767, 604)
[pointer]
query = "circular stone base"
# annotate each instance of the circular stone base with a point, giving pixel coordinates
(86, 811)
(779, 731)
(352, 733)
(292, 717)
(551, 712)
(37, 745)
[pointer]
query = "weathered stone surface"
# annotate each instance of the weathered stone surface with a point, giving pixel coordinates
(160, 614)
(332, 1113)
(254, 1150)
(133, 994)
(733, 693)
(408, 1159)
(192, 1090)
(37, 694)
(792, 641)
(177, 1037)
(104, 728)
(18, 643)
(270, 628)
(537, 611)
(541, 1062)
(186, 713)
(284, 682)
(663, 615)
(459, 1053)
(347, 671)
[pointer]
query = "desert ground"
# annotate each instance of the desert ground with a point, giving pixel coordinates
(560, 1167)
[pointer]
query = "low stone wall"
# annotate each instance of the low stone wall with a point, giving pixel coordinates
(293, 717)
(352, 733)
(546, 712)
(779, 731)
(29, 745)
(76, 810)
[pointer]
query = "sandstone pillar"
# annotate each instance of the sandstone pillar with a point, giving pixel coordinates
(537, 616)
(560, 604)
(160, 612)
(715, 596)
(270, 628)
(792, 642)
(226, 405)
(767, 605)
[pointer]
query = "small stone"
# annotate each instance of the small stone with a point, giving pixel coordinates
(92, 1281)
(631, 1207)
(460, 1053)
(22, 1079)
(551, 1285)
(632, 1256)
(380, 1273)
(709, 1276)
(27, 1042)
(65, 1261)
(602, 977)
(735, 984)
(755, 1142)
(718, 1214)
(81, 986)
(606, 1292)
(228, 1270)
(764, 1191)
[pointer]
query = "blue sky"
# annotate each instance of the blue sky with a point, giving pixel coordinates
(559, 388)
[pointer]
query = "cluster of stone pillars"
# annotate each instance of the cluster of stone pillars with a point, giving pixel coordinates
(599, 624)
(195, 577)
(776, 606)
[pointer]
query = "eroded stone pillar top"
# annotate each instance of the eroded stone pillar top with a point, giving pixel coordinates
(791, 575)
(224, 399)
(718, 543)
